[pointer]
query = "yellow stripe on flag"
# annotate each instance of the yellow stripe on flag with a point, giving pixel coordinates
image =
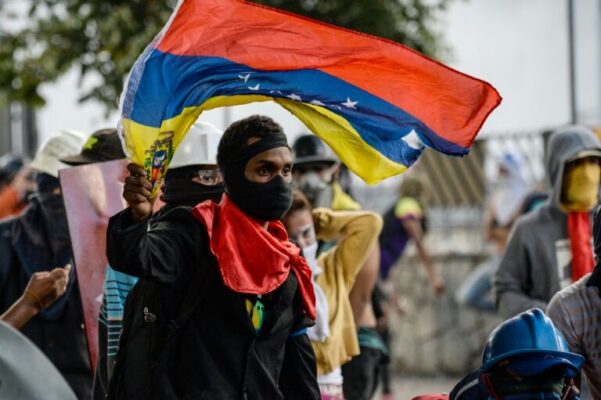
(346, 142)
(142, 142)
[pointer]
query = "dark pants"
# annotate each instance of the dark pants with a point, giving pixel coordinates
(361, 375)
(385, 366)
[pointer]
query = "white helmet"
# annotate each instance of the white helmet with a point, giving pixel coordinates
(26, 372)
(66, 143)
(199, 147)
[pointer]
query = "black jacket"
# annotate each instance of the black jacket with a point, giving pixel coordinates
(218, 354)
(59, 334)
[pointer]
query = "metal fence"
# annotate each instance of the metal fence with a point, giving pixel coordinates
(459, 186)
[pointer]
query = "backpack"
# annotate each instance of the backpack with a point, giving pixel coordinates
(150, 334)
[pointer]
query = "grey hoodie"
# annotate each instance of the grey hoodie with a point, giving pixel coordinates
(537, 259)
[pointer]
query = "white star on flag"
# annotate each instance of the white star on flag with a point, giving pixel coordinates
(275, 91)
(413, 140)
(294, 96)
(244, 77)
(256, 87)
(350, 104)
(317, 103)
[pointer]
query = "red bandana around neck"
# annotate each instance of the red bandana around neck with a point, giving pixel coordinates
(579, 230)
(253, 259)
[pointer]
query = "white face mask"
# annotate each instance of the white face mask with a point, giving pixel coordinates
(310, 254)
(321, 330)
(313, 181)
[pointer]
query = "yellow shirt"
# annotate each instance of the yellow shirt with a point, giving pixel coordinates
(408, 207)
(341, 201)
(357, 232)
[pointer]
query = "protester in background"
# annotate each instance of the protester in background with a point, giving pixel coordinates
(334, 336)
(525, 357)
(405, 222)
(319, 175)
(551, 247)
(192, 178)
(43, 289)
(16, 184)
(504, 206)
(506, 201)
(38, 241)
(247, 292)
(576, 311)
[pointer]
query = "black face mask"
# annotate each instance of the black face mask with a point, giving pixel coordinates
(262, 201)
(52, 207)
(54, 216)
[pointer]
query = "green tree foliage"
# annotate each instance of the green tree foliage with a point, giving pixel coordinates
(103, 38)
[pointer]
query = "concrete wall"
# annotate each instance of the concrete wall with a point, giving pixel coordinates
(436, 335)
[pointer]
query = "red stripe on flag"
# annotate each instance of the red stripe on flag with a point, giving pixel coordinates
(452, 104)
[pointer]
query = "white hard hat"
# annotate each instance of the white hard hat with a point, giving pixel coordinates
(199, 147)
(66, 143)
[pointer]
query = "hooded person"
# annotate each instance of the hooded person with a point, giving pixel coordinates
(38, 241)
(576, 311)
(245, 337)
(192, 178)
(551, 247)
(506, 200)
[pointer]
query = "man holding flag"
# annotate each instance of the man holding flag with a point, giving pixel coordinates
(246, 335)
(376, 103)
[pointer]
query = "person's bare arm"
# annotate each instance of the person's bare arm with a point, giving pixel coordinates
(360, 296)
(414, 230)
(43, 289)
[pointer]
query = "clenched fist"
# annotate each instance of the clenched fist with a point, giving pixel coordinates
(44, 288)
(137, 192)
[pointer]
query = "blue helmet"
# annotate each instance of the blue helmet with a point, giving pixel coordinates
(529, 344)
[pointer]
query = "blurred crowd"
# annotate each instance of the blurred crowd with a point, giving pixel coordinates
(256, 274)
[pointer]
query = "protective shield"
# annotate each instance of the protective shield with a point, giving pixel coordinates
(92, 194)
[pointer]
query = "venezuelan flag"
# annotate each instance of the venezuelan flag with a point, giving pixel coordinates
(376, 103)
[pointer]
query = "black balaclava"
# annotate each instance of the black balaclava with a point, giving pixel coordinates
(43, 238)
(180, 190)
(262, 201)
(53, 212)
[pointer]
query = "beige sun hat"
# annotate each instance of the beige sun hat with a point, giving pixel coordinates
(66, 143)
